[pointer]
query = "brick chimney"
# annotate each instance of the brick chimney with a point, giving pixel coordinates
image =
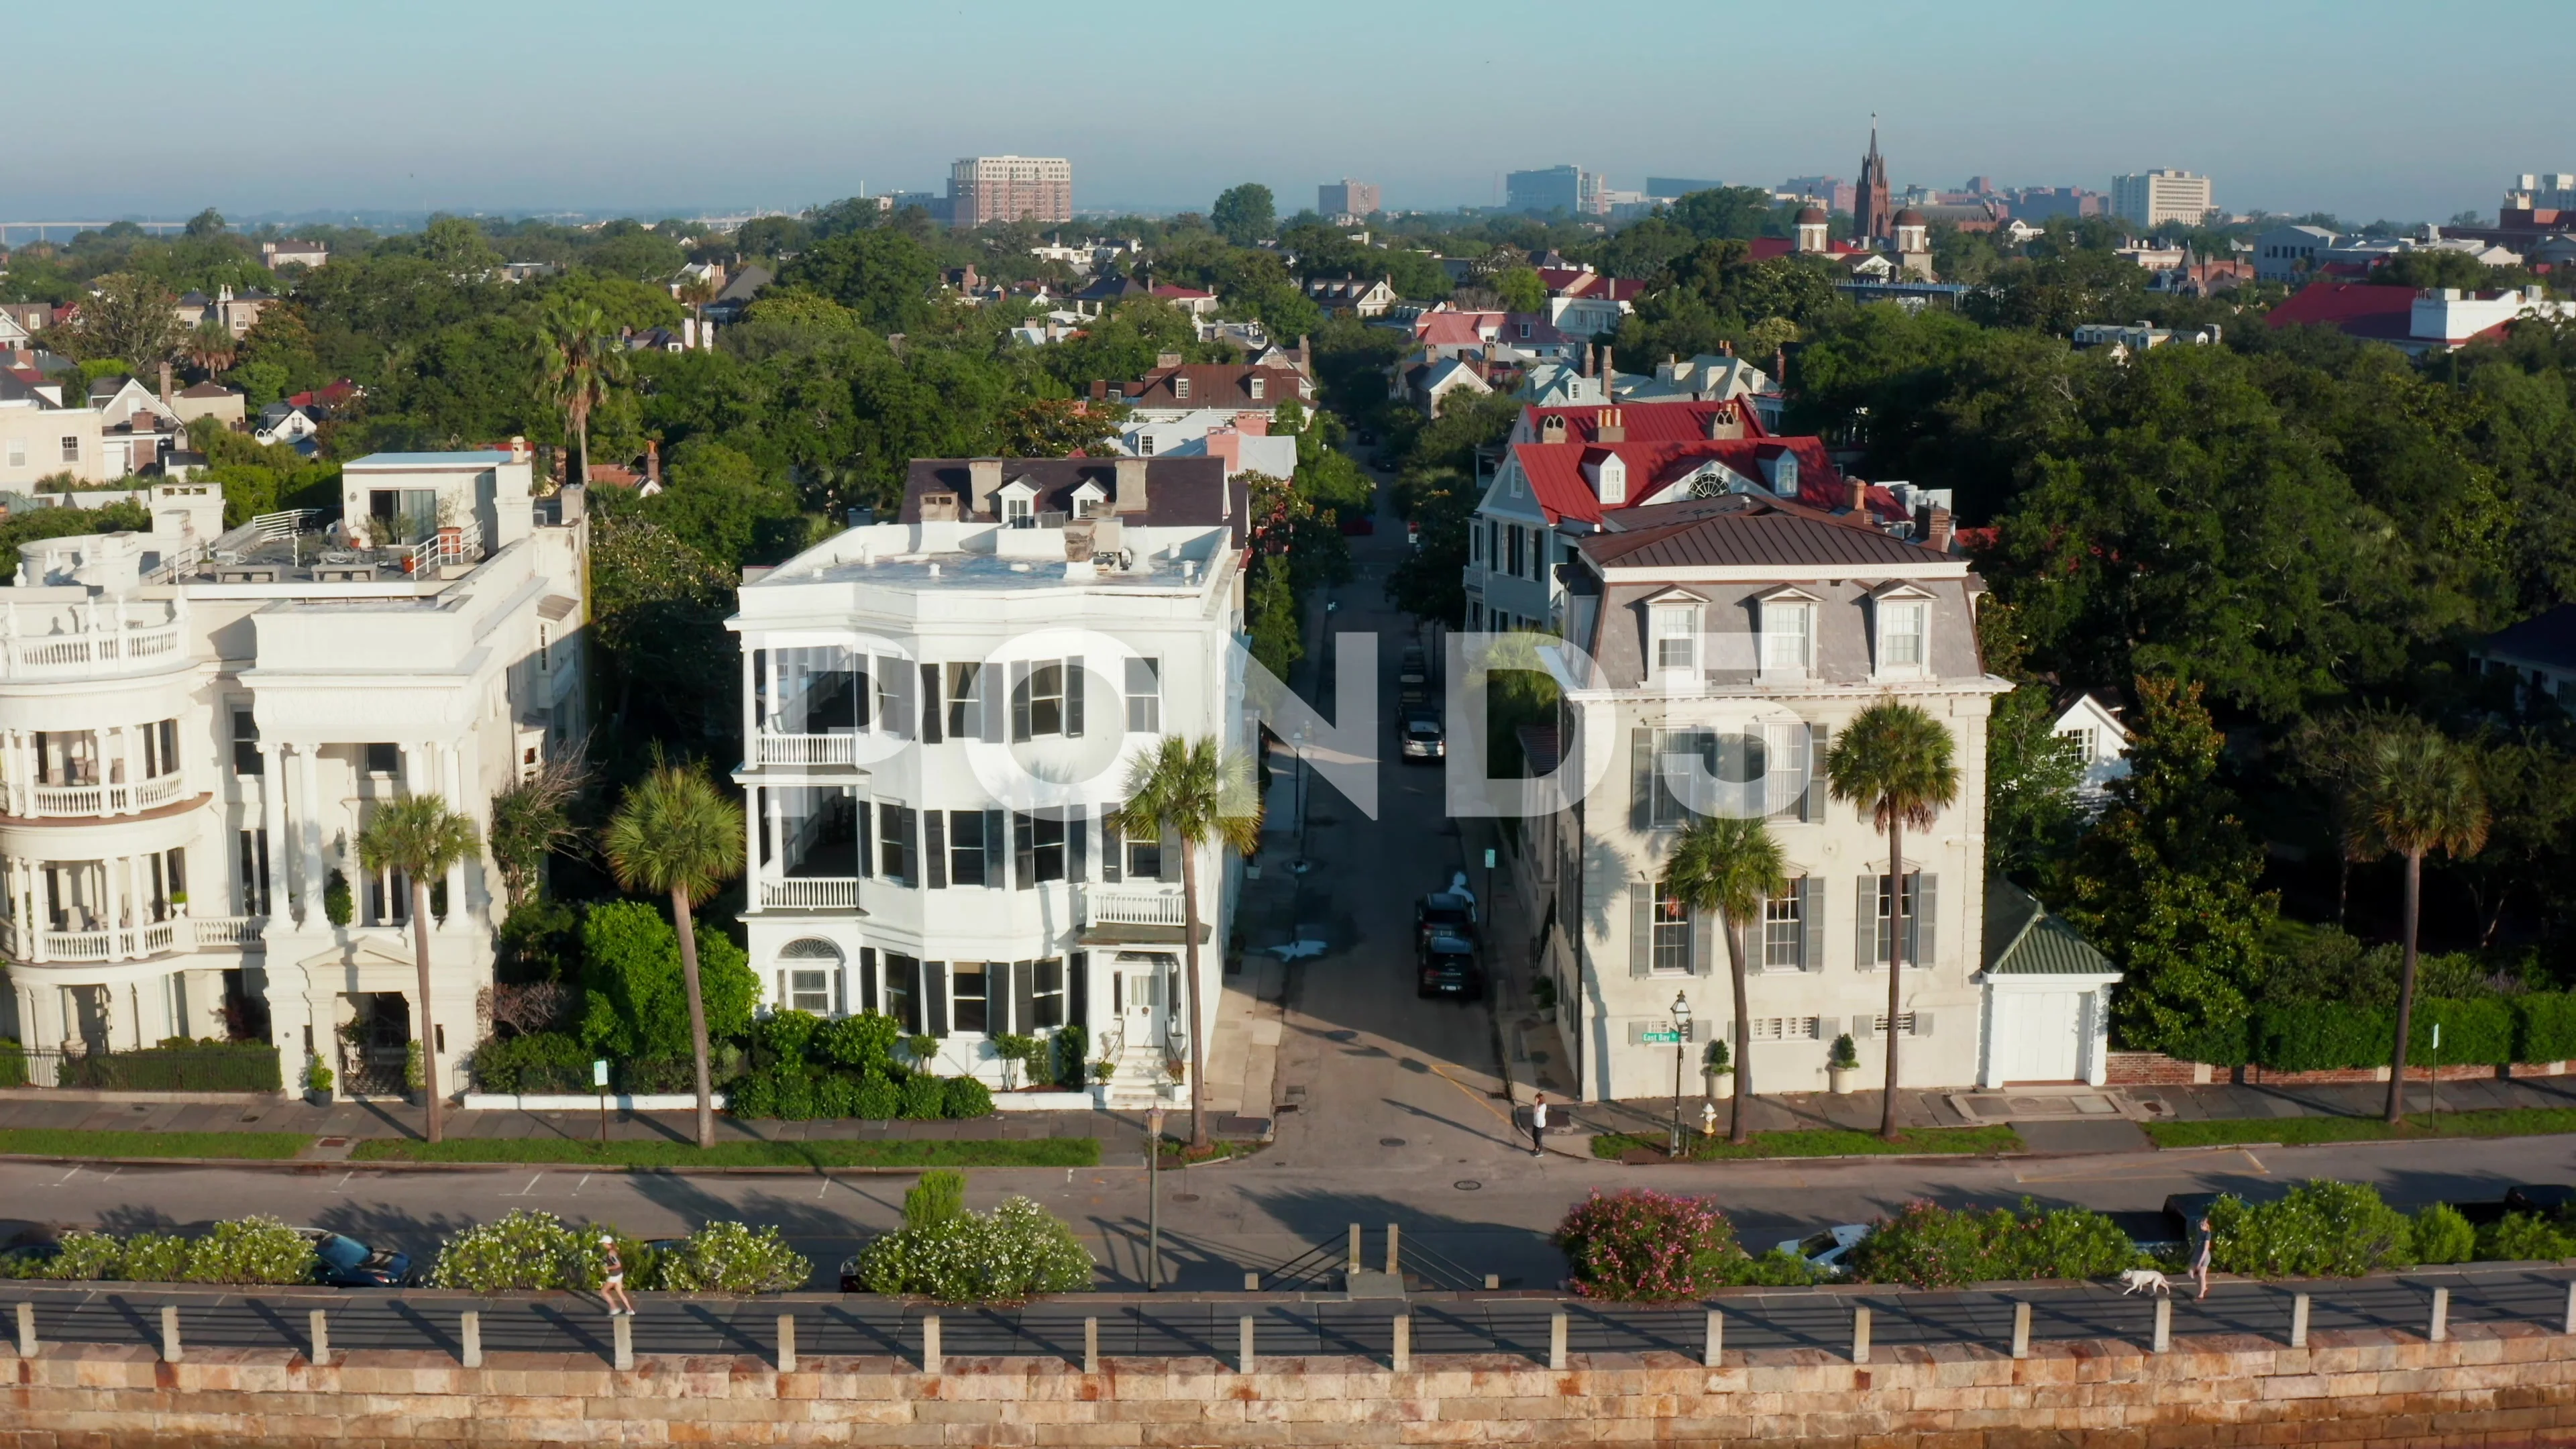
(983, 480)
(165, 388)
(653, 461)
(1938, 532)
(1609, 427)
(1128, 493)
(1724, 423)
(1858, 501)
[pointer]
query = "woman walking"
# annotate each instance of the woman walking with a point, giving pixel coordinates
(2204, 1242)
(612, 1291)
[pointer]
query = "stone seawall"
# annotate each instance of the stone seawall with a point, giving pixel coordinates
(2508, 1384)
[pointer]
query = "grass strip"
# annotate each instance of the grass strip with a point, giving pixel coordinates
(835, 1152)
(1818, 1142)
(72, 1142)
(2295, 1131)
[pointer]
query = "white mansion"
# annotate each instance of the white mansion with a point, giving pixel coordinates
(196, 722)
(938, 712)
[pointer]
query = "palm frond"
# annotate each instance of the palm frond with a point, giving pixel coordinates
(1897, 762)
(675, 832)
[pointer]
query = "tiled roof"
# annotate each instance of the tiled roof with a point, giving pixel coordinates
(1754, 533)
(2023, 939)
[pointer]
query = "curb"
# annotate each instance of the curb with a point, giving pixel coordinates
(310, 1166)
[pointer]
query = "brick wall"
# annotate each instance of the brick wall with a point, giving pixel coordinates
(2154, 1069)
(2490, 1384)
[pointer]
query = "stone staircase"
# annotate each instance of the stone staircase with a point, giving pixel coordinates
(1139, 1082)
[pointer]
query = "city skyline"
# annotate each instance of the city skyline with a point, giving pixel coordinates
(2270, 117)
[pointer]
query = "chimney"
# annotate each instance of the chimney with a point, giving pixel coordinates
(1587, 359)
(1166, 359)
(518, 450)
(1609, 428)
(1551, 429)
(1605, 364)
(1725, 423)
(653, 461)
(1725, 348)
(1127, 494)
(1859, 496)
(1305, 356)
(983, 480)
(165, 387)
(939, 506)
(1937, 535)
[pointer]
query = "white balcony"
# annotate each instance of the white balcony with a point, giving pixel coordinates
(121, 647)
(774, 749)
(89, 802)
(1114, 907)
(810, 893)
(129, 943)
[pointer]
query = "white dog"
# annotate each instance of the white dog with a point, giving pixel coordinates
(2144, 1280)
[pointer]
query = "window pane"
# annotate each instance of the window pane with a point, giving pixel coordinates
(1784, 931)
(1046, 700)
(1046, 996)
(903, 1000)
(1145, 696)
(1672, 928)
(966, 999)
(966, 847)
(965, 701)
(1144, 860)
(810, 991)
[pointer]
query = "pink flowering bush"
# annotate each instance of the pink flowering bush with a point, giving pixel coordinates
(1638, 1246)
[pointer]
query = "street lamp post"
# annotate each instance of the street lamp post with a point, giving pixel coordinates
(1681, 1044)
(1153, 1200)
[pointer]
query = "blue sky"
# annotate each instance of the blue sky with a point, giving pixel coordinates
(2359, 107)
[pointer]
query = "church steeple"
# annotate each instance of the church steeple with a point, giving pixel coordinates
(1874, 205)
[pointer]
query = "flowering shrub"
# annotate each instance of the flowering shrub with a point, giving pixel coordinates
(1014, 1252)
(2068, 1243)
(250, 1250)
(1638, 1246)
(526, 1251)
(87, 1256)
(153, 1258)
(2337, 1229)
(732, 1258)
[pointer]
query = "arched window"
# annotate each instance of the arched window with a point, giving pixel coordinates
(809, 975)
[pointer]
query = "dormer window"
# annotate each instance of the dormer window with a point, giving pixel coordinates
(1258, 385)
(1788, 635)
(1015, 512)
(1902, 617)
(1784, 475)
(1145, 444)
(1676, 636)
(1609, 475)
(1180, 386)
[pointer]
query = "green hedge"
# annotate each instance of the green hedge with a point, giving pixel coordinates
(203, 1067)
(2545, 1026)
(2487, 1031)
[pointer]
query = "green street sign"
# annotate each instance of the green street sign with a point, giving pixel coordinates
(1666, 1037)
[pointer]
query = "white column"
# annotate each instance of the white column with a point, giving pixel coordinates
(452, 768)
(13, 766)
(111, 904)
(777, 869)
(750, 708)
(125, 758)
(272, 829)
(308, 803)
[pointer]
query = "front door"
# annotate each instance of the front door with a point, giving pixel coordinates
(2043, 1032)
(1143, 988)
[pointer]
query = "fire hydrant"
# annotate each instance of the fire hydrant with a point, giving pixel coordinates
(1708, 1119)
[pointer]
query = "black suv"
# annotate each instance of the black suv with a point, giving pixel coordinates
(1449, 969)
(1443, 913)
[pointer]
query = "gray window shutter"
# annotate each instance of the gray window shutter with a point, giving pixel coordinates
(1172, 849)
(1812, 808)
(1077, 684)
(1811, 914)
(934, 997)
(1023, 978)
(1113, 852)
(993, 859)
(1705, 946)
(897, 677)
(1922, 1023)
(1020, 701)
(934, 829)
(988, 709)
(1077, 848)
(1024, 850)
(867, 855)
(869, 1000)
(1641, 778)
(1865, 921)
(1641, 929)
(1920, 938)
(930, 712)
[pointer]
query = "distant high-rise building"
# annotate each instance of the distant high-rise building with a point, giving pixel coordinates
(2552, 191)
(1873, 200)
(1009, 188)
(1831, 192)
(1348, 198)
(2039, 203)
(1569, 189)
(2152, 198)
(1665, 188)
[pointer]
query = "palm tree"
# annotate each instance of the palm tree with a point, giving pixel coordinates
(2416, 792)
(676, 832)
(1194, 794)
(1731, 866)
(694, 293)
(419, 836)
(580, 358)
(1897, 762)
(212, 346)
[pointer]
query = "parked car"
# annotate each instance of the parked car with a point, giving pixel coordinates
(1825, 1251)
(1443, 913)
(1358, 525)
(2548, 1199)
(25, 1258)
(849, 1275)
(2184, 1210)
(343, 1262)
(1449, 969)
(1424, 739)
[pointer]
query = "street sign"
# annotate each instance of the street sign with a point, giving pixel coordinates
(599, 1072)
(1664, 1037)
(1489, 858)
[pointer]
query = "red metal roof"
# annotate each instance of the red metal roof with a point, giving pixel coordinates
(2359, 309)
(1557, 481)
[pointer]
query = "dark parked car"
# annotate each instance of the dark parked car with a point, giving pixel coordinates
(21, 1259)
(343, 1262)
(2548, 1199)
(1443, 913)
(1358, 525)
(1449, 969)
(849, 1276)
(1423, 737)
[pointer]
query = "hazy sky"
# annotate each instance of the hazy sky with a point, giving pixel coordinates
(2359, 107)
